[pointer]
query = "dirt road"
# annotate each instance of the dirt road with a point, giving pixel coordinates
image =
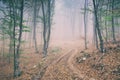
(63, 68)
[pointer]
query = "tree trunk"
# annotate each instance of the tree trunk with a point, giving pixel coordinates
(34, 22)
(97, 26)
(11, 35)
(85, 23)
(14, 36)
(46, 11)
(44, 30)
(17, 68)
(113, 27)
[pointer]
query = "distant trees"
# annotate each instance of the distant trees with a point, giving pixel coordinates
(71, 8)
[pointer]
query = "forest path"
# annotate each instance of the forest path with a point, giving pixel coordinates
(72, 66)
(64, 67)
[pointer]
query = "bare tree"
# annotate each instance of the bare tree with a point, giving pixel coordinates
(97, 24)
(47, 11)
(85, 22)
(34, 23)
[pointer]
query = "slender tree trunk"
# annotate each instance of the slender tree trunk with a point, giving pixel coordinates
(11, 36)
(97, 26)
(3, 45)
(14, 36)
(10, 50)
(106, 28)
(44, 29)
(106, 31)
(85, 23)
(96, 37)
(17, 70)
(46, 11)
(21, 28)
(49, 22)
(113, 27)
(34, 22)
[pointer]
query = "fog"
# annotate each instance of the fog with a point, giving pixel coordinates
(68, 22)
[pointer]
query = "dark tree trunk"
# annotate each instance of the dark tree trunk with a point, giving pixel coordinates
(44, 30)
(96, 38)
(17, 68)
(46, 11)
(97, 26)
(14, 36)
(49, 22)
(113, 27)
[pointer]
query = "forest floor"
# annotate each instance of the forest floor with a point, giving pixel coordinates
(68, 61)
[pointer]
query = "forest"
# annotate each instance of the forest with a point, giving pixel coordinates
(59, 40)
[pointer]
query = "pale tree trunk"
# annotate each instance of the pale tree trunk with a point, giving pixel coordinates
(34, 22)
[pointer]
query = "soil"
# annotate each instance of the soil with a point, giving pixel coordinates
(67, 62)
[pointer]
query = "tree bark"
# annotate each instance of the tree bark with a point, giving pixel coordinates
(44, 30)
(97, 26)
(113, 27)
(17, 71)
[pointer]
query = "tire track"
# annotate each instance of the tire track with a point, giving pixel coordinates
(67, 60)
(73, 68)
(63, 56)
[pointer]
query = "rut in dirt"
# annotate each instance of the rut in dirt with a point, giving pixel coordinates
(66, 64)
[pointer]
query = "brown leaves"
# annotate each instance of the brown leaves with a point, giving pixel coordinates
(106, 69)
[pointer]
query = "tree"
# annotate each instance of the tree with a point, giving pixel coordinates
(113, 28)
(34, 24)
(85, 22)
(47, 8)
(97, 24)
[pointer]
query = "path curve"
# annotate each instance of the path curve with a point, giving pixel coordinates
(68, 59)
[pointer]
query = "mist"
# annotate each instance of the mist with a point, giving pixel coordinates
(68, 22)
(59, 39)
